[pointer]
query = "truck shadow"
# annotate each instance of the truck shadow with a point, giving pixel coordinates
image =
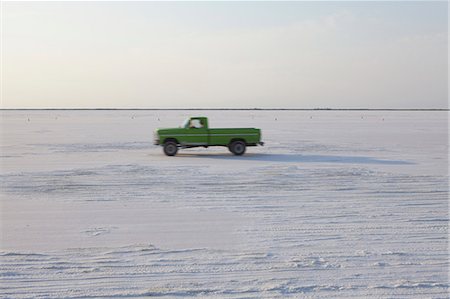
(296, 158)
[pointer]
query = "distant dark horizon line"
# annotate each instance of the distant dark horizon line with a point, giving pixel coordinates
(232, 109)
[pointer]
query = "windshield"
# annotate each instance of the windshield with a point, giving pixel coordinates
(185, 123)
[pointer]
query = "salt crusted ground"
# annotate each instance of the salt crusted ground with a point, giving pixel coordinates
(337, 204)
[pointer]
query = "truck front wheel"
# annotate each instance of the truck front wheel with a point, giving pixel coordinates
(170, 148)
(237, 147)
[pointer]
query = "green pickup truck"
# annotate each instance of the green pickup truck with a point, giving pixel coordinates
(195, 132)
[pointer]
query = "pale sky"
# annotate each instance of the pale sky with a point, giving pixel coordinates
(224, 54)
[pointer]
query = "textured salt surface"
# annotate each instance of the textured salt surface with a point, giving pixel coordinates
(338, 204)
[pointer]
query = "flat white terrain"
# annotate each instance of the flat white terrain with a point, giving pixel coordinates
(337, 204)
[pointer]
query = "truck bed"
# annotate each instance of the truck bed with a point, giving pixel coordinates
(223, 136)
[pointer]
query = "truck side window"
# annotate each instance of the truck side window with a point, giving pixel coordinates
(195, 124)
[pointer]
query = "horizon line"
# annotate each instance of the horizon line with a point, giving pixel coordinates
(237, 109)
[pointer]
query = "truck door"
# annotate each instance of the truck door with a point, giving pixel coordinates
(197, 132)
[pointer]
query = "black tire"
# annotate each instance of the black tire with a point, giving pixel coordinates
(237, 147)
(170, 148)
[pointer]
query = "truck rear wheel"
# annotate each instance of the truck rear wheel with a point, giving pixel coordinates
(237, 147)
(170, 148)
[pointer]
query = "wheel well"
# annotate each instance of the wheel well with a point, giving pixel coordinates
(170, 139)
(237, 139)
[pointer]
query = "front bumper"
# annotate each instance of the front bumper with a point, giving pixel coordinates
(155, 138)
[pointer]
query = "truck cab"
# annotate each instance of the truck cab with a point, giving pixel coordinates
(195, 131)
